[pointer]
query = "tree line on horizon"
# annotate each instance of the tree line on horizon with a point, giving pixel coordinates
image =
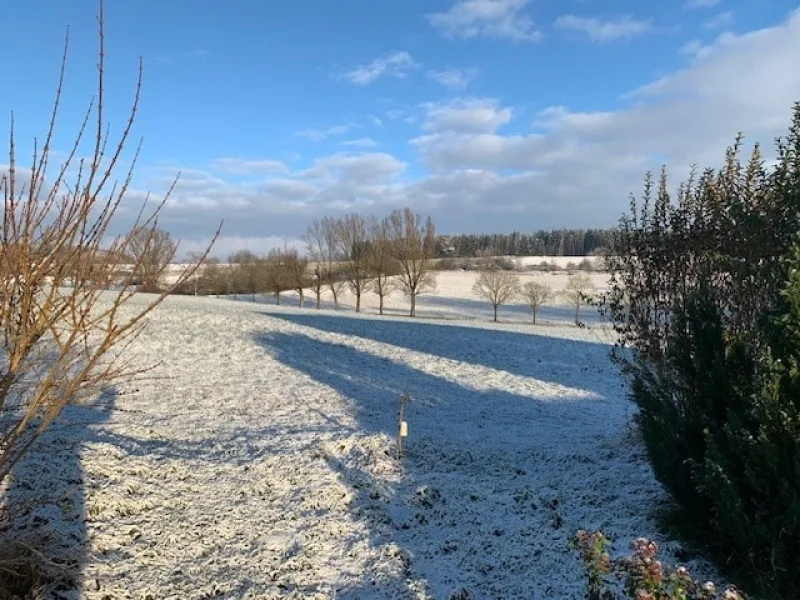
(544, 242)
(364, 255)
(704, 300)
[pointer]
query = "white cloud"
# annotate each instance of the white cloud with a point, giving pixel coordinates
(720, 21)
(625, 27)
(399, 114)
(500, 19)
(692, 4)
(362, 168)
(473, 115)
(691, 47)
(453, 79)
(739, 83)
(477, 165)
(360, 143)
(395, 65)
(240, 166)
(318, 135)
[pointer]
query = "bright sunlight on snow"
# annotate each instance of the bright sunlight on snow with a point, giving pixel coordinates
(257, 460)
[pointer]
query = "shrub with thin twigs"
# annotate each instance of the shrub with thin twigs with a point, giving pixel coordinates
(65, 290)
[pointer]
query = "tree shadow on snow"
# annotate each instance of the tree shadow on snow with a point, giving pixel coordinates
(572, 363)
(455, 431)
(46, 499)
(562, 315)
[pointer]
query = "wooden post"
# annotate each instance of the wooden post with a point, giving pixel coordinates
(402, 426)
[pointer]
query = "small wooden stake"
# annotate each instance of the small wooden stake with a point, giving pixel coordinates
(402, 426)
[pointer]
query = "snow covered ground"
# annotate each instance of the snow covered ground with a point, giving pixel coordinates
(454, 299)
(257, 461)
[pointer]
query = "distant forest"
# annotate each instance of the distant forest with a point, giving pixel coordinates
(557, 242)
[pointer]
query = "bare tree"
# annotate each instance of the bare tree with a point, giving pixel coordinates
(316, 285)
(297, 270)
(413, 245)
(352, 249)
(62, 333)
(383, 268)
(197, 258)
(246, 273)
(276, 273)
(151, 250)
(536, 294)
(577, 291)
(336, 282)
(497, 286)
(213, 280)
(321, 239)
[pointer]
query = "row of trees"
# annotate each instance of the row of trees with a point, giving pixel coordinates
(500, 287)
(557, 242)
(363, 255)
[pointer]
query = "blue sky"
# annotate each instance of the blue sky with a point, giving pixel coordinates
(489, 115)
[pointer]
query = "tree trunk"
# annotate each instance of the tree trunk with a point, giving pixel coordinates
(318, 292)
(380, 304)
(413, 311)
(358, 300)
(495, 312)
(278, 298)
(335, 299)
(302, 298)
(534, 315)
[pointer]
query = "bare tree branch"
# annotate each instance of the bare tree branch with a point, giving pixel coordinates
(412, 244)
(536, 294)
(496, 286)
(64, 329)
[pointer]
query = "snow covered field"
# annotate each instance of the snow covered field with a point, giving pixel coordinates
(454, 299)
(257, 460)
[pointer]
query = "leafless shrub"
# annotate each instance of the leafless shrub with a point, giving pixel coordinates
(62, 333)
(26, 573)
